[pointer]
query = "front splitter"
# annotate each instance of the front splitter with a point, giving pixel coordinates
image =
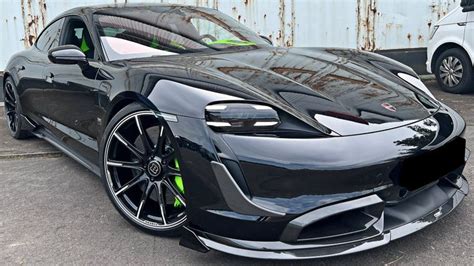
(294, 251)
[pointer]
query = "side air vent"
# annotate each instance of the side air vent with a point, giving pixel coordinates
(234, 169)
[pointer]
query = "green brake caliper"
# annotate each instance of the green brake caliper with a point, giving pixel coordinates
(178, 180)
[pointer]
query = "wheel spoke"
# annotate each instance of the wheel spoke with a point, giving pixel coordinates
(457, 75)
(129, 146)
(457, 68)
(443, 69)
(454, 79)
(145, 196)
(445, 64)
(445, 79)
(121, 164)
(143, 135)
(9, 102)
(450, 62)
(174, 191)
(455, 61)
(442, 75)
(160, 145)
(450, 81)
(161, 202)
(129, 185)
(170, 154)
(9, 92)
(173, 171)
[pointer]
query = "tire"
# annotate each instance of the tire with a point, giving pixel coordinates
(454, 71)
(141, 173)
(13, 111)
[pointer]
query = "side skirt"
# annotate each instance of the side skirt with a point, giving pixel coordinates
(43, 133)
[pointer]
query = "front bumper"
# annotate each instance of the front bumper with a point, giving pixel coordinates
(428, 67)
(244, 192)
(387, 223)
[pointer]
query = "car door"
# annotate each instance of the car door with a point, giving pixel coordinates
(469, 34)
(30, 72)
(72, 96)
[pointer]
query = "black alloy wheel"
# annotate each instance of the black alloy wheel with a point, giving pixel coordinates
(12, 110)
(142, 172)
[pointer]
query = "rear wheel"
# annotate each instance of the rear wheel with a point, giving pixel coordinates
(454, 71)
(141, 171)
(12, 110)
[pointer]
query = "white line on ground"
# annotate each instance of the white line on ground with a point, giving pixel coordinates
(1, 104)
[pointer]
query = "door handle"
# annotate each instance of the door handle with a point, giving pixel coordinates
(50, 78)
(20, 68)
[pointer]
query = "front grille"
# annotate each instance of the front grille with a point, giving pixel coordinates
(425, 168)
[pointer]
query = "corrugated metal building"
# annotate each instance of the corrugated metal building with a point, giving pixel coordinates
(365, 24)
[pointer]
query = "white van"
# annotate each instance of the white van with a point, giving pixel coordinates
(451, 50)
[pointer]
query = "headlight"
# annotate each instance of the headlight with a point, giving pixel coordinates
(433, 32)
(241, 117)
(416, 82)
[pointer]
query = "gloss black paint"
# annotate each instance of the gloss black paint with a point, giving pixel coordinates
(303, 166)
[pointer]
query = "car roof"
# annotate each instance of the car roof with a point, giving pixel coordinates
(87, 10)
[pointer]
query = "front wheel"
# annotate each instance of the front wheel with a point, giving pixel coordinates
(141, 171)
(454, 71)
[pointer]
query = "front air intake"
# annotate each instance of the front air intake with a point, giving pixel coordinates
(347, 221)
(359, 223)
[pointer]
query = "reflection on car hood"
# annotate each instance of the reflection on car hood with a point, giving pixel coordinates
(349, 92)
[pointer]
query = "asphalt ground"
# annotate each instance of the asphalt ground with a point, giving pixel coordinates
(54, 211)
(1, 93)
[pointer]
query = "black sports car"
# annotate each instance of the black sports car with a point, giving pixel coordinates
(199, 126)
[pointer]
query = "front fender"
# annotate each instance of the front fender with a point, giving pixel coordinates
(200, 151)
(186, 104)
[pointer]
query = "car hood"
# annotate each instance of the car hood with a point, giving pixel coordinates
(348, 91)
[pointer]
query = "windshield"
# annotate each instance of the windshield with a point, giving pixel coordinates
(158, 31)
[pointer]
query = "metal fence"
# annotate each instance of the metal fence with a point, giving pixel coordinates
(364, 24)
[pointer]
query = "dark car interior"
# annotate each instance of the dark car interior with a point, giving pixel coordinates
(77, 34)
(467, 5)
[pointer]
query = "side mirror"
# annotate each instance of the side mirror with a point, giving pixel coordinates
(268, 40)
(67, 54)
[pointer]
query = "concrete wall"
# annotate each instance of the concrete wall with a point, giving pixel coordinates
(364, 24)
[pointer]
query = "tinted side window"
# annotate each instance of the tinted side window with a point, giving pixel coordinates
(76, 33)
(49, 38)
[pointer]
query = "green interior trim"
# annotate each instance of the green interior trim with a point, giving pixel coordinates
(232, 42)
(154, 43)
(177, 45)
(84, 47)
